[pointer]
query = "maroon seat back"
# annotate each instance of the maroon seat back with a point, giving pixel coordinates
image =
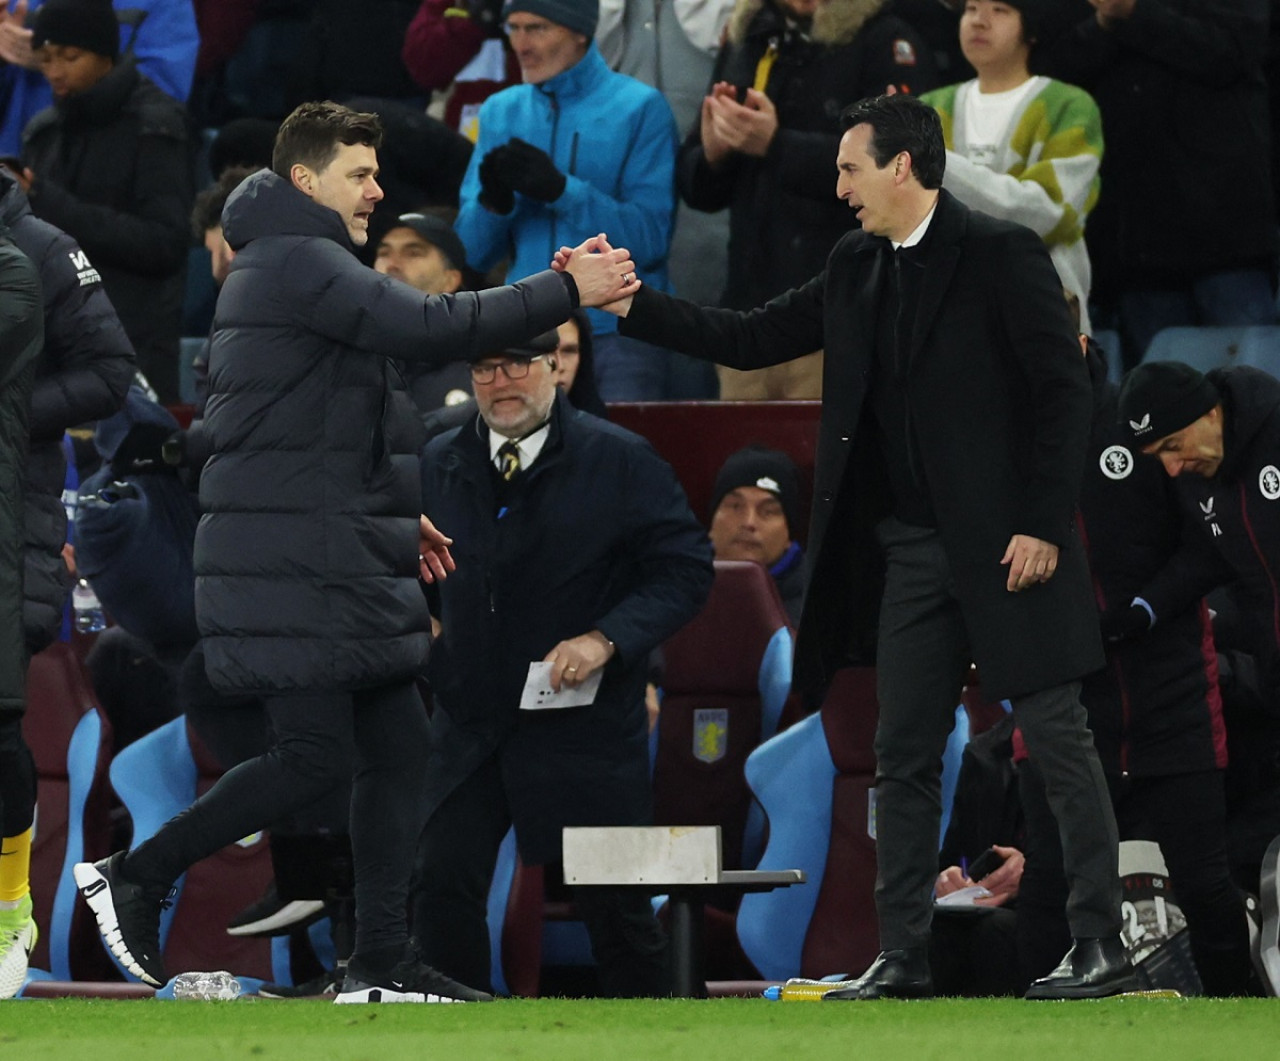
(59, 695)
(843, 934)
(711, 711)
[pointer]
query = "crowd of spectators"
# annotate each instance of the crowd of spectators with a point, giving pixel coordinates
(1137, 143)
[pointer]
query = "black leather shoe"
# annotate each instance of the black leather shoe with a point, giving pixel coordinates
(894, 974)
(1093, 968)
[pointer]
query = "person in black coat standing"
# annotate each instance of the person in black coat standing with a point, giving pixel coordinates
(82, 376)
(312, 538)
(21, 336)
(111, 164)
(551, 568)
(950, 453)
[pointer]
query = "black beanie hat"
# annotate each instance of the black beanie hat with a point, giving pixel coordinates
(1161, 397)
(766, 469)
(87, 24)
(580, 16)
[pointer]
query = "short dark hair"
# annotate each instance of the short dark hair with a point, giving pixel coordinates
(207, 211)
(311, 134)
(902, 123)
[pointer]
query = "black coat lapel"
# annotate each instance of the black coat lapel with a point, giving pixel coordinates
(948, 228)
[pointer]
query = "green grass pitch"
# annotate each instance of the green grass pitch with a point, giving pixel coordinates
(1136, 1029)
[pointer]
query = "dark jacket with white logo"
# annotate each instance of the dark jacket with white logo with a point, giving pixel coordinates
(1237, 513)
(82, 375)
(20, 337)
(306, 556)
(595, 534)
(1154, 709)
(784, 217)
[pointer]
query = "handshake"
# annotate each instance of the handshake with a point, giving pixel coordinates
(605, 278)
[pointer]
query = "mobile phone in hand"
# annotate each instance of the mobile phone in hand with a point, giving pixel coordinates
(985, 864)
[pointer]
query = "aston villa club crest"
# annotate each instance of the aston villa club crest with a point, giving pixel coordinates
(710, 734)
(1269, 482)
(1116, 462)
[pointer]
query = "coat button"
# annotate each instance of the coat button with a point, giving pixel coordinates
(844, 438)
(826, 495)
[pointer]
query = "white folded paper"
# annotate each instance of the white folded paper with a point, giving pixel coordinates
(538, 696)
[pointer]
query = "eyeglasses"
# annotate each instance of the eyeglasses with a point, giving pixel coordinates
(511, 369)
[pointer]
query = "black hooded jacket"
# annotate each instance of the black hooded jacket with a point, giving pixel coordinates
(82, 375)
(20, 336)
(1155, 708)
(306, 556)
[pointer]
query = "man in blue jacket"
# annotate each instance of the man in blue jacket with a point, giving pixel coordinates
(312, 537)
(575, 150)
(555, 570)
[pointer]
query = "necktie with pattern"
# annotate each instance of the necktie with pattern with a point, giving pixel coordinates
(508, 460)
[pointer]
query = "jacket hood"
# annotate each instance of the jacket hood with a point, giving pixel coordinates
(835, 21)
(14, 204)
(1250, 398)
(267, 205)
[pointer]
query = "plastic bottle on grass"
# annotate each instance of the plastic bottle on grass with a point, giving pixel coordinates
(798, 989)
(206, 987)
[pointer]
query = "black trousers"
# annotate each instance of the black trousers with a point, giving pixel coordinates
(455, 870)
(380, 735)
(1186, 815)
(923, 656)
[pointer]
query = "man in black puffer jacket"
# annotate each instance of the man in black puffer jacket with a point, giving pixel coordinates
(312, 539)
(20, 336)
(82, 375)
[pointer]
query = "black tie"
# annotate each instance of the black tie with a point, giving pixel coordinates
(508, 460)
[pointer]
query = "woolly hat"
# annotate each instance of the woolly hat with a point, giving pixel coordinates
(87, 24)
(767, 469)
(439, 233)
(1161, 397)
(580, 16)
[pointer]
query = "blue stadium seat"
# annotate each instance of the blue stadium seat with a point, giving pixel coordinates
(1202, 348)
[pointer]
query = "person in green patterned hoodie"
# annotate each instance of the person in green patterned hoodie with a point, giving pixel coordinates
(1019, 147)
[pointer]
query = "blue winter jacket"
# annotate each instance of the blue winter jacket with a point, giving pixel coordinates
(614, 139)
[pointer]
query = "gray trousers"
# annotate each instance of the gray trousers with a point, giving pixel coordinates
(923, 656)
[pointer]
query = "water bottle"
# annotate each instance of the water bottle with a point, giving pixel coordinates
(206, 987)
(797, 989)
(90, 618)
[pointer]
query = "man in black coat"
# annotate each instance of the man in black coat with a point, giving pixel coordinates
(950, 453)
(312, 537)
(21, 335)
(111, 163)
(82, 376)
(554, 568)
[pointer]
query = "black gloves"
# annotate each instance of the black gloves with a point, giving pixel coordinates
(1125, 622)
(496, 195)
(141, 451)
(518, 166)
(530, 171)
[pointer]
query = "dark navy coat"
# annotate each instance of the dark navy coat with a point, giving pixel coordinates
(596, 534)
(998, 400)
(306, 556)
